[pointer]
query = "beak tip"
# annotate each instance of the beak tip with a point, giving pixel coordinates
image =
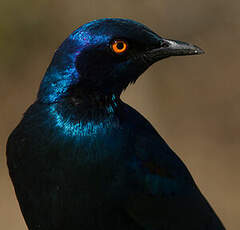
(199, 51)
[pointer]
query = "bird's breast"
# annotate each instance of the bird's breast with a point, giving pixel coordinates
(87, 155)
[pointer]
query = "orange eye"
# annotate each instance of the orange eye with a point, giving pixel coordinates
(119, 46)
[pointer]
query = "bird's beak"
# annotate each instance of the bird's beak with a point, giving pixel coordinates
(178, 48)
(169, 48)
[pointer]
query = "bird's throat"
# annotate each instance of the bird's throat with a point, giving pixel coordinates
(84, 117)
(95, 103)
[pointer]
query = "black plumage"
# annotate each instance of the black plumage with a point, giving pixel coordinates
(83, 159)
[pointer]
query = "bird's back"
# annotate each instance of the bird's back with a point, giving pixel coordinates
(163, 193)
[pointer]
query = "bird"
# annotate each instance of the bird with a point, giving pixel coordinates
(81, 158)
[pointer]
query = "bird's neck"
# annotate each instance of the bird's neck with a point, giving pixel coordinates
(85, 116)
(93, 100)
(95, 104)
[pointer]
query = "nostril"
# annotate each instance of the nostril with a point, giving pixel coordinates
(164, 44)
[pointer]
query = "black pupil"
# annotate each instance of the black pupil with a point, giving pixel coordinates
(120, 45)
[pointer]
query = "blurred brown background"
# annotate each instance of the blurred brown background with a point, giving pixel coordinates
(194, 102)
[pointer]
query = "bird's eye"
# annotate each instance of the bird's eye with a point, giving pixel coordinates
(119, 46)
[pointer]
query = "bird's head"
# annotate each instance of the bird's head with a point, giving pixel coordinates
(102, 57)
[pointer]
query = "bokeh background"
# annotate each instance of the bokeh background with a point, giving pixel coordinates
(194, 102)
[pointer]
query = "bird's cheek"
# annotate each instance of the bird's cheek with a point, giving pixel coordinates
(138, 67)
(127, 72)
